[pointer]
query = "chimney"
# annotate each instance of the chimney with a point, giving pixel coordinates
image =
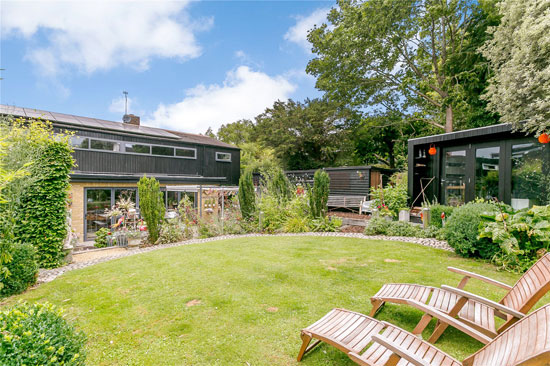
(131, 119)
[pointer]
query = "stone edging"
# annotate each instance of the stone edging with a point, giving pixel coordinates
(47, 275)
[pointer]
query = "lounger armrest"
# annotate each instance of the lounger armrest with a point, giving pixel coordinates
(445, 318)
(480, 277)
(490, 303)
(398, 350)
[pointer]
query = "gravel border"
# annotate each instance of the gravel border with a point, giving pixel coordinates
(47, 275)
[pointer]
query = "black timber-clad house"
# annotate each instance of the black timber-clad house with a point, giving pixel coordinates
(111, 157)
(487, 162)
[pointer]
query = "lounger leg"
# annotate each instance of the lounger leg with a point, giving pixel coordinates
(438, 331)
(376, 305)
(422, 324)
(305, 342)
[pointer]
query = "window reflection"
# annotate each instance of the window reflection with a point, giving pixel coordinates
(487, 172)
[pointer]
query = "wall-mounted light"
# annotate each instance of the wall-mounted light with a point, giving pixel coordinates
(544, 138)
(432, 150)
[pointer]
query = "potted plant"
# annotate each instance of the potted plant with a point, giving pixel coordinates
(385, 212)
(134, 238)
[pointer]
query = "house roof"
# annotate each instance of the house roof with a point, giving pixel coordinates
(464, 134)
(89, 122)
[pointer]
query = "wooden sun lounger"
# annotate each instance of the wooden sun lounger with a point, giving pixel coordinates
(370, 342)
(464, 310)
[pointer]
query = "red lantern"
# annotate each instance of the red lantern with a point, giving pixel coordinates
(544, 138)
(432, 150)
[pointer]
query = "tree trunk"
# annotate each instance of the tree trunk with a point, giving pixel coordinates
(449, 119)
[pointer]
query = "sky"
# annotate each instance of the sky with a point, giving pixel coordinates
(186, 65)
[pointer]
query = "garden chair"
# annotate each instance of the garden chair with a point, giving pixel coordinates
(526, 342)
(464, 310)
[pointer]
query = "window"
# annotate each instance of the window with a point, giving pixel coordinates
(104, 145)
(226, 157)
(529, 185)
(163, 150)
(186, 153)
(138, 149)
(80, 142)
(487, 172)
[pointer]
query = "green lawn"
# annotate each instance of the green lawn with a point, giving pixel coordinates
(252, 297)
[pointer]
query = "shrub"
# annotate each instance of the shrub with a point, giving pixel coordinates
(278, 185)
(319, 194)
(462, 230)
(326, 224)
(381, 226)
(42, 212)
(22, 268)
(101, 238)
(151, 204)
(518, 236)
(247, 196)
(172, 231)
(435, 214)
(394, 196)
(209, 228)
(37, 334)
(296, 224)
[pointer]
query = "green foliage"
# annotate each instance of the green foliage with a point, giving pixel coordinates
(236, 133)
(462, 230)
(326, 224)
(382, 226)
(296, 224)
(319, 194)
(37, 334)
(394, 196)
(392, 55)
(23, 270)
(435, 214)
(151, 205)
(209, 228)
(101, 237)
(41, 211)
(306, 135)
(172, 231)
(278, 185)
(247, 196)
(518, 54)
(520, 236)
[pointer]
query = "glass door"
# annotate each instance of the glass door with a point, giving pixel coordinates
(97, 201)
(487, 173)
(454, 176)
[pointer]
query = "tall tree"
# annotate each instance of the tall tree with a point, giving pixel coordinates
(304, 135)
(236, 133)
(519, 53)
(377, 50)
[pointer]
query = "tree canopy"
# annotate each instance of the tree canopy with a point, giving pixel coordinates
(400, 56)
(519, 55)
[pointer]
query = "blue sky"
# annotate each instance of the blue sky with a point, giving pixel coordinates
(187, 65)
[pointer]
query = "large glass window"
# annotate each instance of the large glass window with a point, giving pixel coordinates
(529, 183)
(454, 178)
(104, 145)
(138, 148)
(80, 142)
(97, 201)
(163, 150)
(487, 172)
(186, 153)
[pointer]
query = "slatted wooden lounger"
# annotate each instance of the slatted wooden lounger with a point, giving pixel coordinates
(525, 343)
(466, 311)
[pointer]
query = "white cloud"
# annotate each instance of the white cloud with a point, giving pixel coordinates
(298, 32)
(118, 105)
(244, 94)
(100, 35)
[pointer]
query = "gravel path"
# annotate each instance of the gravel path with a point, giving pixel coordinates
(47, 275)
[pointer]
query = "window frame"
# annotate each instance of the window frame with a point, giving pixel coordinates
(122, 148)
(223, 160)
